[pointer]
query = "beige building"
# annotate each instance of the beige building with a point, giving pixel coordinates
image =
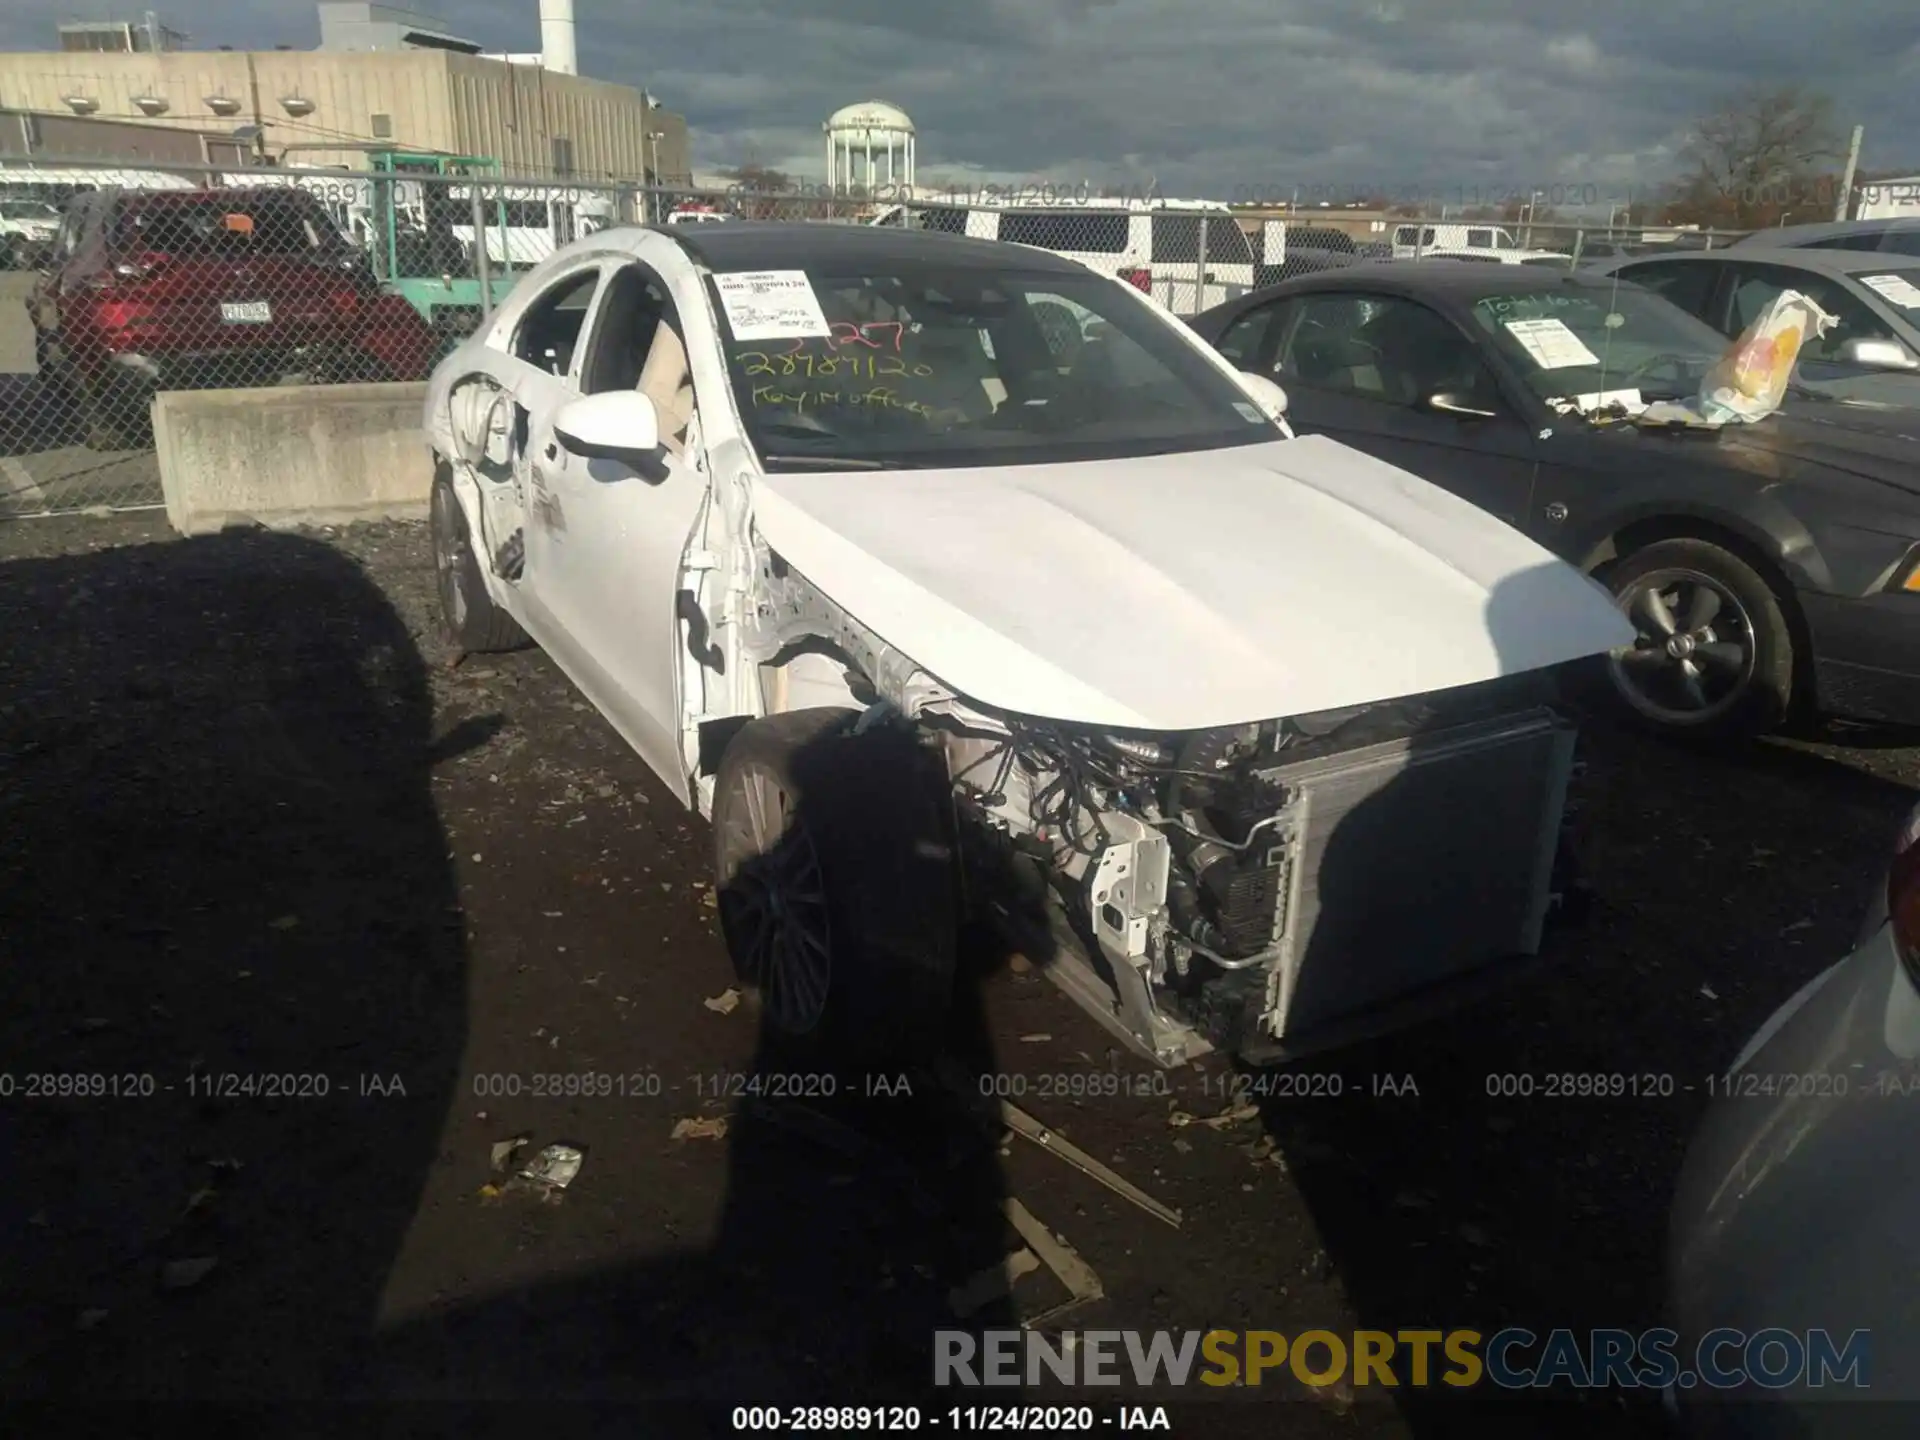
(318, 107)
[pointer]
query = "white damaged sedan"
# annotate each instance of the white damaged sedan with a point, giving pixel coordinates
(953, 581)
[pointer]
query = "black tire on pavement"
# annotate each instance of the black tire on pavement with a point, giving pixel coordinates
(115, 413)
(470, 621)
(834, 864)
(1715, 629)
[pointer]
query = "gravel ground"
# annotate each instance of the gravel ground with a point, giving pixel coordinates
(254, 825)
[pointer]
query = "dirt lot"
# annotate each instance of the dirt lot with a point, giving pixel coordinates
(253, 825)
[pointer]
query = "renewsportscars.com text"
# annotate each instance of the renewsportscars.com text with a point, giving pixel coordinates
(1512, 1359)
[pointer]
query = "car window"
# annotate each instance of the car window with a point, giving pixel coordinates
(629, 313)
(1248, 341)
(1755, 286)
(1384, 348)
(1680, 282)
(1899, 242)
(934, 365)
(1084, 232)
(1177, 236)
(550, 328)
(225, 226)
(1480, 239)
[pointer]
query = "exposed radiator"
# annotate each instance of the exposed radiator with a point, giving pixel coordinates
(1414, 861)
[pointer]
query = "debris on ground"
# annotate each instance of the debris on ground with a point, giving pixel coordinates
(1013, 1118)
(996, 1282)
(505, 1150)
(1709, 992)
(1083, 1286)
(1238, 1113)
(89, 1318)
(185, 1274)
(700, 1127)
(725, 1003)
(1040, 1039)
(549, 1172)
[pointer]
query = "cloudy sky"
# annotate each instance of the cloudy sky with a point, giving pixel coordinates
(1460, 99)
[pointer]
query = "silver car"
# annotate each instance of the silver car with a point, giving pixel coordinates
(1871, 357)
(1795, 1206)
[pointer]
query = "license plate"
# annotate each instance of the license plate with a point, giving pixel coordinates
(246, 312)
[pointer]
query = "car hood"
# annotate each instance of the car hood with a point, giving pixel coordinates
(1184, 591)
(1867, 442)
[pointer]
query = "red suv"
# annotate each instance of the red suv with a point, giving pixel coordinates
(199, 289)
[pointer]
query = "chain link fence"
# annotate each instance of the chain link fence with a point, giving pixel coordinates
(123, 282)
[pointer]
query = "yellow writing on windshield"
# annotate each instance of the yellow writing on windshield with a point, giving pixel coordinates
(871, 367)
(804, 400)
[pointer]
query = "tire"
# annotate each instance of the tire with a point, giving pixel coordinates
(469, 620)
(839, 909)
(114, 413)
(1748, 693)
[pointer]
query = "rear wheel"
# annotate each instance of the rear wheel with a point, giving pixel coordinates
(469, 619)
(835, 874)
(1713, 654)
(115, 412)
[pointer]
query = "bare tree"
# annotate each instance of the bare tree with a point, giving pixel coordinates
(1759, 157)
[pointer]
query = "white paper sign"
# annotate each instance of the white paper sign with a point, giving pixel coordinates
(1551, 344)
(771, 305)
(1896, 288)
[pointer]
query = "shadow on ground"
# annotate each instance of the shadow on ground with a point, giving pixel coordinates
(231, 940)
(1517, 1166)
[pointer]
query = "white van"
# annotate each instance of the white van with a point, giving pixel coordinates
(1155, 244)
(1421, 239)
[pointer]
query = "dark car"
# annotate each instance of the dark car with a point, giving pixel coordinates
(1896, 235)
(1872, 356)
(1766, 565)
(194, 289)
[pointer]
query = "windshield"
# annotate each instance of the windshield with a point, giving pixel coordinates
(1899, 288)
(944, 366)
(1575, 343)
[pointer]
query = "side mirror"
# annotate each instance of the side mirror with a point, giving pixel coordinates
(1271, 398)
(1877, 355)
(1448, 403)
(619, 425)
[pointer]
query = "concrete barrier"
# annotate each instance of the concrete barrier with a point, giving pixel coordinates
(292, 455)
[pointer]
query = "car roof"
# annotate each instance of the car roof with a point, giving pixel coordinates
(1794, 235)
(800, 245)
(1830, 262)
(1440, 276)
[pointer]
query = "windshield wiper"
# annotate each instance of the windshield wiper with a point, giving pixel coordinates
(828, 462)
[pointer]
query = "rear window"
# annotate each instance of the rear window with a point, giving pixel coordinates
(1086, 232)
(278, 225)
(1176, 238)
(947, 219)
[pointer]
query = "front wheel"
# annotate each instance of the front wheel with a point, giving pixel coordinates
(1712, 654)
(469, 619)
(835, 871)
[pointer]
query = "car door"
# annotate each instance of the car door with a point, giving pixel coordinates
(611, 539)
(523, 382)
(1752, 287)
(1364, 369)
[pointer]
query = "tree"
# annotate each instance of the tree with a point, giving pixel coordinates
(760, 192)
(1761, 156)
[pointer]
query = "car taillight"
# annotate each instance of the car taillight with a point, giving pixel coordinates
(1139, 279)
(1903, 893)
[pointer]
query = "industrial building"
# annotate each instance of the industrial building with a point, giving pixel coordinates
(384, 77)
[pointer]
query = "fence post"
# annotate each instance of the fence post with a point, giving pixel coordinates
(1579, 243)
(481, 270)
(1200, 270)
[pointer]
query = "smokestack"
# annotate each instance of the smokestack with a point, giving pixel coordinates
(556, 37)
